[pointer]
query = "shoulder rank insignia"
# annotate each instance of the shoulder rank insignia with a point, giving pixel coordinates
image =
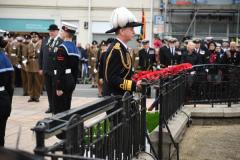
(117, 46)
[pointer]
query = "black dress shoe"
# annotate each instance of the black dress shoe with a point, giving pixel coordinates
(31, 100)
(36, 99)
(48, 111)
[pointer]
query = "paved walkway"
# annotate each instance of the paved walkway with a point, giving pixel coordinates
(25, 115)
(211, 142)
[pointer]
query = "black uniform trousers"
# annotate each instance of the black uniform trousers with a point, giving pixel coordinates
(18, 79)
(5, 105)
(50, 84)
(3, 122)
(63, 102)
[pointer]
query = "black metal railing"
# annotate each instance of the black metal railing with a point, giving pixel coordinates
(118, 132)
(213, 83)
(121, 133)
(170, 97)
(204, 84)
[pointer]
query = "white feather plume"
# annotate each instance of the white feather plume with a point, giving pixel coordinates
(121, 16)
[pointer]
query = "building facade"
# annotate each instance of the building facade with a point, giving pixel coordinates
(91, 16)
(178, 18)
(201, 18)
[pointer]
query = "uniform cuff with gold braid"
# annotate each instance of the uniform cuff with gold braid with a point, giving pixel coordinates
(128, 85)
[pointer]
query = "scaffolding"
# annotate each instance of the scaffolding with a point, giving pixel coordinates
(218, 21)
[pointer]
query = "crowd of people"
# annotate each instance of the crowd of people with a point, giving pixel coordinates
(26, 55)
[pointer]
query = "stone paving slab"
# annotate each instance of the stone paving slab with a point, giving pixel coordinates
(218, 111)
(211, 142)
(25, 115)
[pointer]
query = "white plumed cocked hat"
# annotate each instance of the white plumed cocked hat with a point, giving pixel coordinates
(121, 18)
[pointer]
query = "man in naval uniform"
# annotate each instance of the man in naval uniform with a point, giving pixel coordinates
(67, 61)
(201, 53)
(147, 57)
(47, 63)
(118, 63)
(6, 89)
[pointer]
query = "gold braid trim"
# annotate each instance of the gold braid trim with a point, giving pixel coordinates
(126, 85)
(127, 65)
(107, 61)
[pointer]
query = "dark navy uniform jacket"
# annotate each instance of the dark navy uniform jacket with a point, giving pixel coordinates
(147, 59)
(117, 70)
(6, 81)
(67, 60)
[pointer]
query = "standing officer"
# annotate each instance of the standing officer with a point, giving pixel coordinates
(147, 60)
(67, 60)
(201, 53)
(167, 53)
(93, 52)
(118, 64)
(147, 57)
(47, 63)
(102, 51)
(34, 79)
(101, 71)
(12, 50)
(24, 48)
(6, 89)
(135, 55)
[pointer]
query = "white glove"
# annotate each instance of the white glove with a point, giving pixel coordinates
(95, 70)
(18, 66)
(24, 62)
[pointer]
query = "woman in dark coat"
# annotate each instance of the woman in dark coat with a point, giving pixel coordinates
(214, 56)
(6, 89)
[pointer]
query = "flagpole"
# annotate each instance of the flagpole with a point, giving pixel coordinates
(151, 23)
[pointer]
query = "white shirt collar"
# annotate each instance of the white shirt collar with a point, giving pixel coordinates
(124, 44)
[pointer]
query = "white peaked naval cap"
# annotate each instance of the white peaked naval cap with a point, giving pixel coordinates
(68, 27)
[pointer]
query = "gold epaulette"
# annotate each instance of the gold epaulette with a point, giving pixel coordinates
(117, 46)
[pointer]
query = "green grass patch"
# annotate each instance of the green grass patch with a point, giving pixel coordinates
(152, 119)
